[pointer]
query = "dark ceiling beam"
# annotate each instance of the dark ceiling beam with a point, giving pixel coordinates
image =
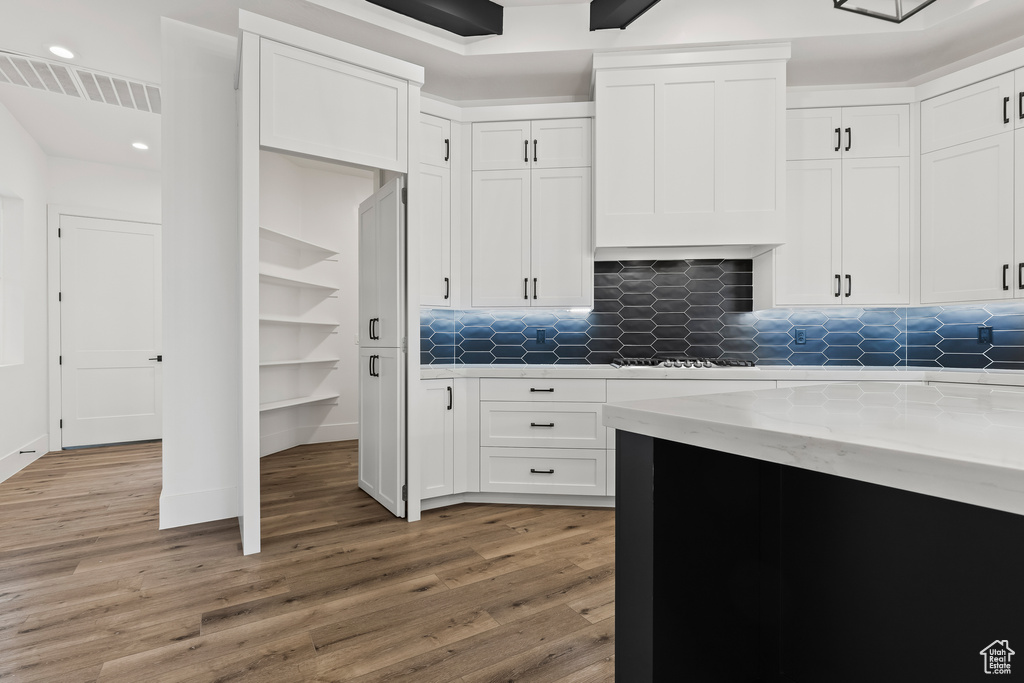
(617, 13)
(462, 17)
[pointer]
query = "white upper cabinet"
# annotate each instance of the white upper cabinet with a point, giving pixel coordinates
(331, 109)
(511, 145)
(435, 141)
(381, 267)
(970, 113)
(848, 133)
(690, 155)
(435, 226)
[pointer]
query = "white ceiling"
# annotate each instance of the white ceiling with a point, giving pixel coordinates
(544, 53)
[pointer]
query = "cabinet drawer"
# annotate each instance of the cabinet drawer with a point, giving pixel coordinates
(563, 425)
(540, 470)
(543, 390)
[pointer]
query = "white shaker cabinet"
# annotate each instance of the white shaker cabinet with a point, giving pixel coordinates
(315, 105)
(381, 429)
(437, 443)
(545, 143)
(381, 267)
(532, 238)
(435, 236)
(690, 155)
(848, 132)
(970, 113)
(435, 141)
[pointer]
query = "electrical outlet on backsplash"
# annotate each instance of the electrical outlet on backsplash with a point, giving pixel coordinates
(704, 308)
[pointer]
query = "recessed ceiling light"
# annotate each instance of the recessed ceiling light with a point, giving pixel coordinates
(140, 145)
(62, 52)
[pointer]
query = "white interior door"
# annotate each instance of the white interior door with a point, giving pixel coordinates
(110, 331)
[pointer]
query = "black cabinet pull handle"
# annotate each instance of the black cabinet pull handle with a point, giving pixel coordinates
(449, 397)
(526, 288)
(839, 285)
(839, 139)
(160, 358)
(1020, 105)
(849, 139)
(534, 390)
(542, 424)
(447, 288)
(447, 149)
(373, 366)
(534, 151)
(1006, 269)
(1020, 276)
(526, 151)
(534, 471)
(849, 285)
(534, 288)
(1006, 116)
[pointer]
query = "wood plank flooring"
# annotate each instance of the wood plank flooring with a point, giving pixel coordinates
(91, 590)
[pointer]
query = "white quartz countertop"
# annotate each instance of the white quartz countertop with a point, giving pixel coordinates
(764, 372)
(955, 441)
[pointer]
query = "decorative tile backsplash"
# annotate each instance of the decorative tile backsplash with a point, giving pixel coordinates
(703, 308)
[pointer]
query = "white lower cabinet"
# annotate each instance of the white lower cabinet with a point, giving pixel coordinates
(437, 443)
(579, 471)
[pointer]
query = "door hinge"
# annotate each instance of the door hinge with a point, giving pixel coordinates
(405, 195)
(405, 492)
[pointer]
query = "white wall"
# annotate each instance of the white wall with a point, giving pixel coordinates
(87, 185)
(202, 379)
(23, 383)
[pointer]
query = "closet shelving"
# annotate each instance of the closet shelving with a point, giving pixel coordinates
(300, 401)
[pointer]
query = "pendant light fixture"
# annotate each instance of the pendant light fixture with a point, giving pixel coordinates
(895, 11)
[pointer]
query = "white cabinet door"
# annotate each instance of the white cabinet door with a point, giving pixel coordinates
(971, 113)
(435, 141)
(437, 473)
(381, 438)
(876, 231)
(967, 217)
(808, 264)
(690, 155)
(501, 145)
(501, 238)
(1016, 275)
(874, 132)
(561, 143)
(814, 134)
(323, 107)
(562, 258)
(435, 236)
(381, 254)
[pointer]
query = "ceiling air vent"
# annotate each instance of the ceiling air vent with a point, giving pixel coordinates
(56, 77)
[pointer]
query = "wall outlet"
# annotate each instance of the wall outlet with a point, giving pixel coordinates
(541, 334)
(800, 336)
(984, 334)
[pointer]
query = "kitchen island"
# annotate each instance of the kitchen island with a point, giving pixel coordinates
(849, 532)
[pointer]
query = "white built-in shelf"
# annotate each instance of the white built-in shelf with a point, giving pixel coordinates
(287, 240)
(300, 361)
(286, 281)
(300, 401)
(288, 320)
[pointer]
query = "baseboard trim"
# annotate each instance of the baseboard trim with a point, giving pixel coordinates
(519, 499)
(19, 459)
(195, 508)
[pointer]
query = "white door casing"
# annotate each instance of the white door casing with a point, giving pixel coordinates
(110, 335)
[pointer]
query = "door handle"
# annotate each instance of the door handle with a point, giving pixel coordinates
(370, 329)
(534, 151)
(542, 424)
(1006, 116)
(1020, 105)
(450, 398)
(447, 288)
(373, 366)
(526, 151)
(548, 391)
(534, 288)
(839, 285)
(1020, 276)
(839, 138)
(526, 288)
(160, 357)
(534, 471)
(1006, 269)
(447, 149)
(849, 285)
(849, 140)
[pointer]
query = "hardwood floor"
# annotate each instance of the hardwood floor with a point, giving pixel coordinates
(91, 590)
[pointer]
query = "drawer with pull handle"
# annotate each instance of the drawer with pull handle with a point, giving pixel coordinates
(554, 425)
(577, 471)
(555, 390)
